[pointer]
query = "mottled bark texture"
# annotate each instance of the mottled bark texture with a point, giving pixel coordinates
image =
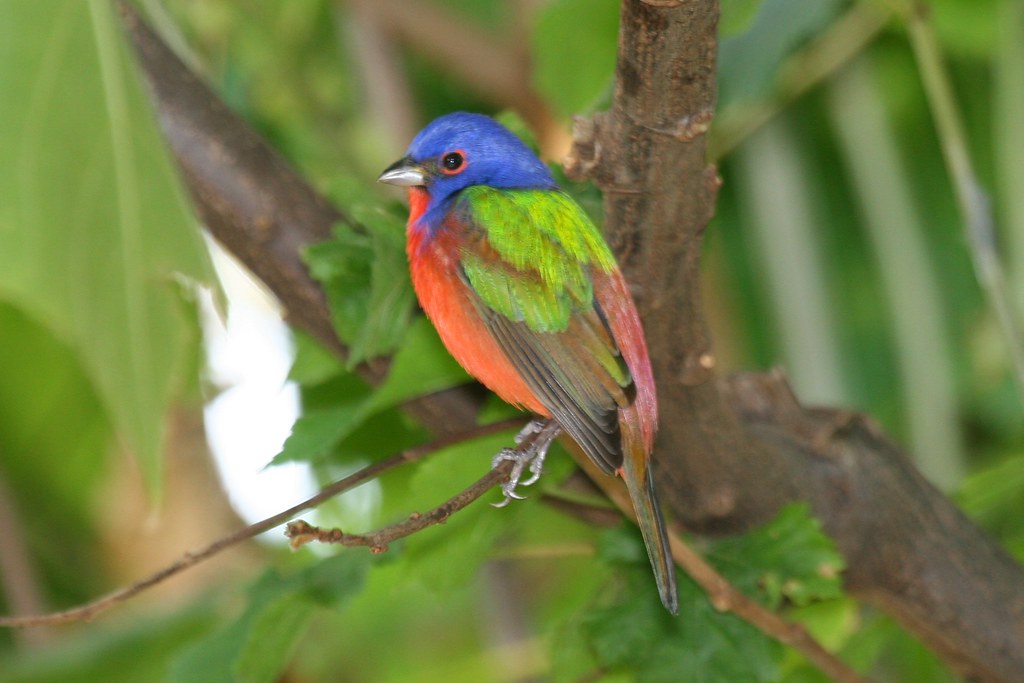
(732, 450)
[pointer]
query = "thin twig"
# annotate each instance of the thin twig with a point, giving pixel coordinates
(727, 598)
(975, 205)
(596, 515)
(301, 532)
(91, 609)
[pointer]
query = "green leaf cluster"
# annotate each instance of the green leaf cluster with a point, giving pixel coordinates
(787, 562)
(364, 273)
(257, 646)
(790, 560)
(573, 49)
(136, 650)
(338, 404)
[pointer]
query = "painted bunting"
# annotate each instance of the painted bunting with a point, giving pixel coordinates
(526, 295)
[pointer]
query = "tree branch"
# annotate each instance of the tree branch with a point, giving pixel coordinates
(92, 609)
(530, 440)
(720, 592)
(300, 532)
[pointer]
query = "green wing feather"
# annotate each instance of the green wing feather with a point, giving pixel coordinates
(528, 257)
(540, 248)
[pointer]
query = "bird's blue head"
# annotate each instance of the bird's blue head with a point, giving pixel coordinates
(458, 150)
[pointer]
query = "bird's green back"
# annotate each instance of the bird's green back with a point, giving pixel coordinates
(533, 254)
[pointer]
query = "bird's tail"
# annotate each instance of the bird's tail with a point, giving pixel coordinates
(636, 472)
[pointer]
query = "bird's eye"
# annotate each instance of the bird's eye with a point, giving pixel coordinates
(452, 162)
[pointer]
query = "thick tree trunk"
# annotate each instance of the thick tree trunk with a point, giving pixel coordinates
(731, 450)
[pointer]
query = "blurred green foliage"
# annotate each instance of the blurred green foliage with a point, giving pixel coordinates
(94, 225)
(525, 592)
(573, 74)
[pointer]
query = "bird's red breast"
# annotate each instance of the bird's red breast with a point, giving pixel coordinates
(444, 296)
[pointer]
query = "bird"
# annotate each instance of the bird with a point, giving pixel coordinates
(527, 296)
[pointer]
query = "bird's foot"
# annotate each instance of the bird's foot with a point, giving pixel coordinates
(537, 437)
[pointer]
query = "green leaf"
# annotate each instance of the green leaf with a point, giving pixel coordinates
(831, 623)
(55, 447)
(721, 646)
(344, 268)
(573, 50)
(421, 366)
(624, 634)
(271, 639)
(135, 650)
(210, 659)
(384, 433)
(331, 582)
(451, 469)
(447, 557)
(737, 15)
(571, 657)
(995, 497)
(788, 558)
(622, 545)
(365, 275)
(881, 640)
(257, 645)
(43, 379)
(630, 631)
(748, 63)
(313, 363)
(94, 224)
(316, 433)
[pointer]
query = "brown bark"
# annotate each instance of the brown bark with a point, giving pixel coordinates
(731, 450)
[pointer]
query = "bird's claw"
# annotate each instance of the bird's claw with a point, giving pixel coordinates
(532, 457)
(520, 460)
(509, 489)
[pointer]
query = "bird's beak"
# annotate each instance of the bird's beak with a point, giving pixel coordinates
(405, 173)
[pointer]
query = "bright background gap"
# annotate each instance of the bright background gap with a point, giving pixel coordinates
(251, 414)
